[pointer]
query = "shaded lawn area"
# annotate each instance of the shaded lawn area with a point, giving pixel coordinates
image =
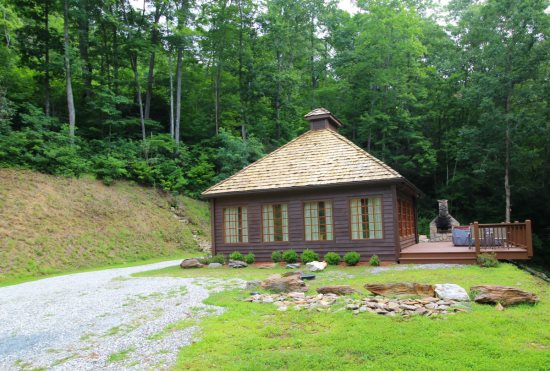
(257, 336)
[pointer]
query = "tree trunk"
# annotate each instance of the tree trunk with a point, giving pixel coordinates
(133, 60)
(47, 59)
(171, 98)
(70, 100)
(151, 74)
(217, 82)
(83, 44)
(179, 67)
(507, 158)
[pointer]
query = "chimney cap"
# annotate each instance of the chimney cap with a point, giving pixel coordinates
(323, 114)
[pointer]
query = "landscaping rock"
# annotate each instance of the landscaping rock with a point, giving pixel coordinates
(336, 289)
(399, 289)
(505, 295)
(308, 277)
(237, 264)
(215, 265)
(293, 266)
(266, 265)
(316, 266)
(190, 263)
(277, 283)
(253, 284)
(450, 291)
(292, 273)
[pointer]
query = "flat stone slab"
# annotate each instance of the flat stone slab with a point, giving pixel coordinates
(451, 291)
(505, 295)
(336, 289)
(400, 289)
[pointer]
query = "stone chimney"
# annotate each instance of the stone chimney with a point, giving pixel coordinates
(321, 118)
(442, 225)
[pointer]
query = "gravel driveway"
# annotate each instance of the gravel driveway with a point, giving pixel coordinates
(102, 320)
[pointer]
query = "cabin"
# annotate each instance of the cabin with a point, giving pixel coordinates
(320, 191)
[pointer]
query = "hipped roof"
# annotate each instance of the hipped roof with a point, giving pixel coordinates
(316, 158)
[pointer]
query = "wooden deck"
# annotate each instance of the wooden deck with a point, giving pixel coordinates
(445, 252)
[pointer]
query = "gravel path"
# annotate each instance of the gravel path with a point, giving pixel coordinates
(102, 320)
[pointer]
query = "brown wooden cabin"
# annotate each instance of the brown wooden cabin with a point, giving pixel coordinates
(322, 192)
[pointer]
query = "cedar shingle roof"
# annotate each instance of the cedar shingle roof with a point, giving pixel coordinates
(318, 157)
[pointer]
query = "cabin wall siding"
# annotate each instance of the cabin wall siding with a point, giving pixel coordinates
(385, 248)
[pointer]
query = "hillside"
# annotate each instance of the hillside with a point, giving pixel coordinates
(50, 224)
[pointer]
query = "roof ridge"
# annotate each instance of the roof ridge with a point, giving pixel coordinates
(256, 162)
(365, 153)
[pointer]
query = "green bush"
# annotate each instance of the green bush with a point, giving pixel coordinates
(235, 255)
(352, 258)
(218, 258)
(249, 258)
(309, 256)
(332, 258)
(277, 256)
(374, 261)
(290, 256)
(205, 260)
(487, 260)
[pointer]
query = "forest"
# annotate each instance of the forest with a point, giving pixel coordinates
(180, 94)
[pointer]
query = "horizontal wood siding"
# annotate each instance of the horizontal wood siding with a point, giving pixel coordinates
(342, 243)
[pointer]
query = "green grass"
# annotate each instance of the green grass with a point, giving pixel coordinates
(257, 336)
(120, 356)
(176, 326)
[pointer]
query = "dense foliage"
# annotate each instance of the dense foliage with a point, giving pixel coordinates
(332, 258)
(309, 256)
(181, 94)
(352, 258)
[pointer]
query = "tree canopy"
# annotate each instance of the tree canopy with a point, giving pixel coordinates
(180, 94)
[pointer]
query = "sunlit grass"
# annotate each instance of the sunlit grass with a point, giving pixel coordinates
(257, 336)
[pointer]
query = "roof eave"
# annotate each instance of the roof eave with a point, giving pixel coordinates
(313, 186)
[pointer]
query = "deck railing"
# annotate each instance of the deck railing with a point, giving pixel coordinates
(503, 236)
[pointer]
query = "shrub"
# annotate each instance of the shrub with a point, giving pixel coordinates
(352, 258)
(235, 255)
(374, 261)
(205, 260)
(218, 258)
(487, 260)
(277, 256)
(309, 256)
(290, 256)
(332, 258)
(249, 258)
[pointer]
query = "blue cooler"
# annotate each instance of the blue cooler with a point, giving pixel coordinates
(462, 236)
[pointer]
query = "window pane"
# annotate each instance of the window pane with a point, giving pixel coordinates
(318, 221)
(275, 222)
(235, 224)
(366, 218)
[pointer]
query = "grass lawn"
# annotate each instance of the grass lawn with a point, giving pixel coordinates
(257, 336)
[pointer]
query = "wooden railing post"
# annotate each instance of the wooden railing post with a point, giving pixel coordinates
(476, 238)
(528, 238)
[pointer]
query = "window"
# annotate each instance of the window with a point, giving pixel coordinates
(406, 218)
(366, 218)
(275, 223)
(235, 225)
(318, 221)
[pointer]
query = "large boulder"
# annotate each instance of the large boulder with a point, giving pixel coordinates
(450, 291)
(277, 283)
(336, 289)
(292, 273)
(190, 263)
(315, 266)
(505, 295)
(400, 289)
(237, 264)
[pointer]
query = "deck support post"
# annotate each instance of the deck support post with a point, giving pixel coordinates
(529, 238)
(476, 238)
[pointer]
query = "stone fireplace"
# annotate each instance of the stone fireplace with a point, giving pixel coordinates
(442, 225)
